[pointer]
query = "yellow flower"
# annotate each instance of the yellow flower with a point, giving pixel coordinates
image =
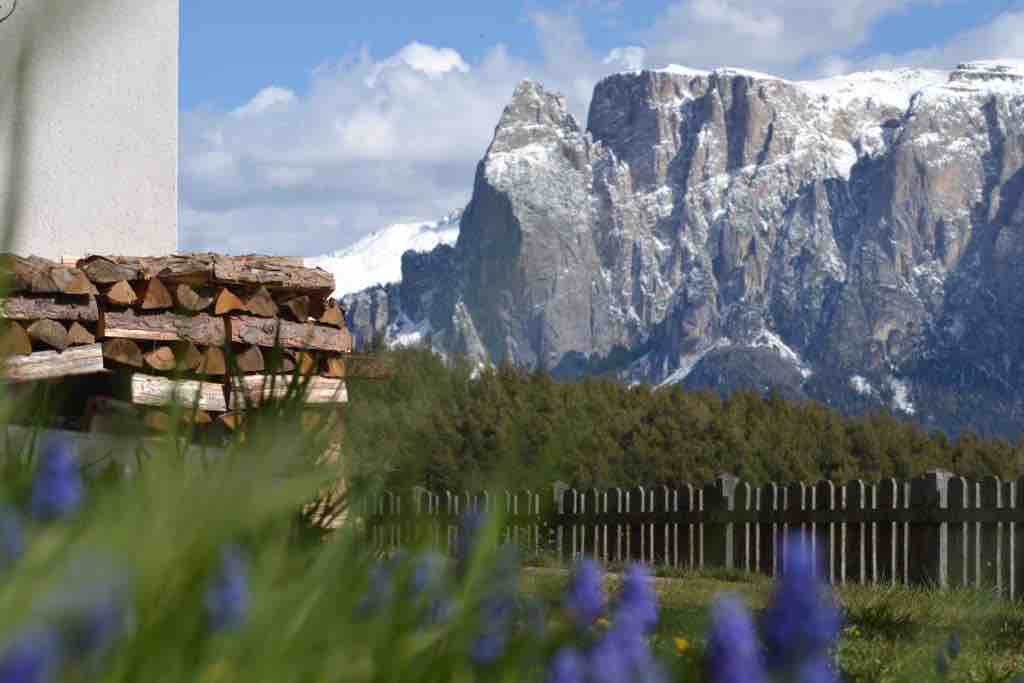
(603, 623)
(682, 645)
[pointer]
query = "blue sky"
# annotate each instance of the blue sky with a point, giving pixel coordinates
(305, 128)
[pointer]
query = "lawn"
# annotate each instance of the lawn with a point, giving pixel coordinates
(891, 634)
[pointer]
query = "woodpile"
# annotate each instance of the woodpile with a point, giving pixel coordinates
(215, 333)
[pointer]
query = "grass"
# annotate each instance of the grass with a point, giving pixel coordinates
(891, 633)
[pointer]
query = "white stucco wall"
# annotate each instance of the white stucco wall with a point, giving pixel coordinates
(89, 127)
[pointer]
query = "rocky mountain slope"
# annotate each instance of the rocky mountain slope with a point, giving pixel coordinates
(856, 240)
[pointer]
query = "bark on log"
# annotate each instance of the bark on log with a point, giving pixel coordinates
(123, 351)
(122, 294)
(52, 307)
(261, 304)
(200, 329)
(42, 276)
(264, 332)
(160, 391)
(250, 360)
(161, 358)
(49, 332)
(82, 360)
(160, 420)
(252, 390)
(155, 296)
(275, 272)
(227, 302)
(14, 341)
(191, 300)
(78, 335)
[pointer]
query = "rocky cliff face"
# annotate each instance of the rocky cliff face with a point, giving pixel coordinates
(858, 240)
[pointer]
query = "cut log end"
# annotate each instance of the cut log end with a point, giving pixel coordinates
(14, 341)
(161, 358)
(191, 300)
(123, 351)
(78, 335)
(122, 294)
(251, 360)
(155, 296)
(49, 332)
(213, 362)
(227, 302)
(262, 304)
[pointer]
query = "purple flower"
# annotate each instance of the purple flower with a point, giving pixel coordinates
(488, 646)
(12, 541)
(623, 653)
(585, 598)
(953, 646)
(427, 572)
(567, 666)
(471, 528)
(57, 488)
(438, 611)
(227, 597)
(638, 601)
(732, 654)
(379, 590)
(817, 669)
(799, 623)
(32, 657)
(103, 619)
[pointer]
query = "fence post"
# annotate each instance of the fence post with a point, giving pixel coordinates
(929, 540)
(719, 498)
(558, 490)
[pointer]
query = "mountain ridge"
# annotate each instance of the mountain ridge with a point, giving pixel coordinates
(862, 226)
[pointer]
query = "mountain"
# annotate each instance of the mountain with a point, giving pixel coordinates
(377, 258)
(856, 240)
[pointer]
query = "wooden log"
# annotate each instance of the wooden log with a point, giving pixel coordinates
(187, 356)
(155, 296)
(102, 270)
(160, 391)
(161, 358)
(49, 332)
(250, 360)
(232, 420)
(72, 281)
(14, 341)
(42, 276)
(261, 304)
(363, 366)
(268, 332)
(227, 302)
(123, 351)
(82, 360)
(333, 315)
(78, 335)
(299, 308)
(191, 300)
(274, 273)
(122, 294)
(213, 362)
(307, 362)
(50, 306)
(200, 329)
(160, 420)
(252, 390)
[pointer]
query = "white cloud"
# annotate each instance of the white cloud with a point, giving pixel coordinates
(1002, 37)
(626, 58)
(370, 141)
(777, 36)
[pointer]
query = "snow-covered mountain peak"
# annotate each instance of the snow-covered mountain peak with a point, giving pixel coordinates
(376, 259)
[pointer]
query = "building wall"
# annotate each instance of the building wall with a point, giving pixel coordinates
(89, 127)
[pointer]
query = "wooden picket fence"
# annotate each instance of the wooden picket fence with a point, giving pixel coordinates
(937, 529)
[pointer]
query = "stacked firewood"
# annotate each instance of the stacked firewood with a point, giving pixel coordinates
(213, 332)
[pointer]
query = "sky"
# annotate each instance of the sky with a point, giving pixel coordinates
(302, 130)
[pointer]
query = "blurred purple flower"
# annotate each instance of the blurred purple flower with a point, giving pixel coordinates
(379, 590)
(584, 598)
(427, 572)
(623, 654)
(638, 600)
(32, 657)
(57, 488)
(227, 597)
(12, 540)
(438, 611)
(800, 622)
(567, 666)
(97, 624)
(817, 669)
(488, 646)
(941, 663)
(953, 646)
(732, 654)
(471, 527)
